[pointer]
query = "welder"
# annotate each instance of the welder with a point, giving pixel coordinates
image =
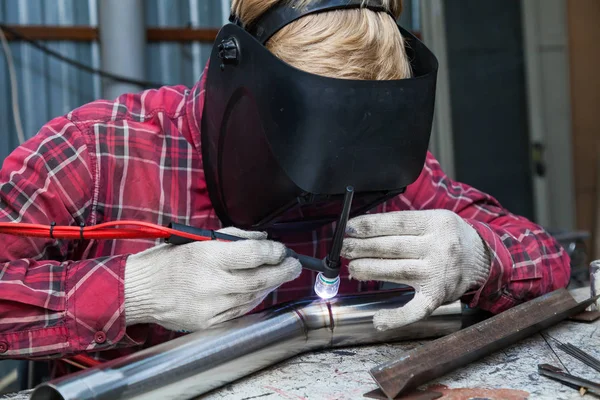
(300, 99)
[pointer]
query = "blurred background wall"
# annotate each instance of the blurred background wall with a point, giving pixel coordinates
(584, 55)
(49, 88)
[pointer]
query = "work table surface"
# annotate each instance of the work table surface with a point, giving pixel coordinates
(508, 374)
(343, 373)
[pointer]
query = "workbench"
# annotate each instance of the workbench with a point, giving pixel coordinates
(509, 374)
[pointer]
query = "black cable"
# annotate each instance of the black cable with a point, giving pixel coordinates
(551, 348)
(77, 64)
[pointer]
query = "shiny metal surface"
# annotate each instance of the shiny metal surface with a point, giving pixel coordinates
(197, 363)
(594, 283)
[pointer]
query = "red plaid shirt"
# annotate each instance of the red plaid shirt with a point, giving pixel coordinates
(138, 158)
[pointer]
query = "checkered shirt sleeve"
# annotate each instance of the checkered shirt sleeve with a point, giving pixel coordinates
(526, 262)
(50, 306)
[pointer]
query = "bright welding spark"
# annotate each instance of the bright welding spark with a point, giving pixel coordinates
(326, 288)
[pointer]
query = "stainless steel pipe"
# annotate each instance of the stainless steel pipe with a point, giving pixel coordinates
(197, 363)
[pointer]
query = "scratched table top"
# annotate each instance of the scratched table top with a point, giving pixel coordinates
(343, 373)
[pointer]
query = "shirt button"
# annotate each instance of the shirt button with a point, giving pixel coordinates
(3, 347)
(100, 337)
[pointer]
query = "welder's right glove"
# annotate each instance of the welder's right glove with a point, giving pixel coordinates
(198, 285)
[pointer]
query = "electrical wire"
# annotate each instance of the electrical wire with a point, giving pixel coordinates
(83, 361)
(14, 90)
(105, 231)
(76, 63)
(551, 348)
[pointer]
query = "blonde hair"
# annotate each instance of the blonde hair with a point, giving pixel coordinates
(351, 44)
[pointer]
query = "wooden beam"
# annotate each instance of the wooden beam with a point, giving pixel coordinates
(58, 33)
(89, 33)
(207, 35)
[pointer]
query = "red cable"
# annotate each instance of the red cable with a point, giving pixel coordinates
(86, 361)
(107, 230)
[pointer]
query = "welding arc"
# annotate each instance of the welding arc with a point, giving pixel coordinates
(577, 353)
(105, 231)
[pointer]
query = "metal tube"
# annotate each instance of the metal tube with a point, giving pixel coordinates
(594, 283)
(197, 363)
(122, 43)
(551, 371)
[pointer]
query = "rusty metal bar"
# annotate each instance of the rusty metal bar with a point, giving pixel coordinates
(441, 356)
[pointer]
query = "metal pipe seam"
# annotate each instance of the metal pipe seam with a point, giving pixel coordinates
(199, 362)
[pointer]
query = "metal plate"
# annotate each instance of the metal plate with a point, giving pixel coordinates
(586, 316)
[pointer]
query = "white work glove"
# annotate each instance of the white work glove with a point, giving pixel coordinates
(434, 251)
(197, 285)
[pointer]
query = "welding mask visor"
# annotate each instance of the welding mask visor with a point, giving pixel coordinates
(281, 145)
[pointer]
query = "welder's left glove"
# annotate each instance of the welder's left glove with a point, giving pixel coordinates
(434, 251)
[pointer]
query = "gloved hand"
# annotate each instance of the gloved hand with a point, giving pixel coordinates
(198, 285)
(434, 251)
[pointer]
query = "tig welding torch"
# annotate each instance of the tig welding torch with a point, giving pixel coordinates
(326, 285)
(327, 282)
(311, 263)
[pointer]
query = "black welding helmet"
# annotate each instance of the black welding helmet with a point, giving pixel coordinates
(280, 145)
